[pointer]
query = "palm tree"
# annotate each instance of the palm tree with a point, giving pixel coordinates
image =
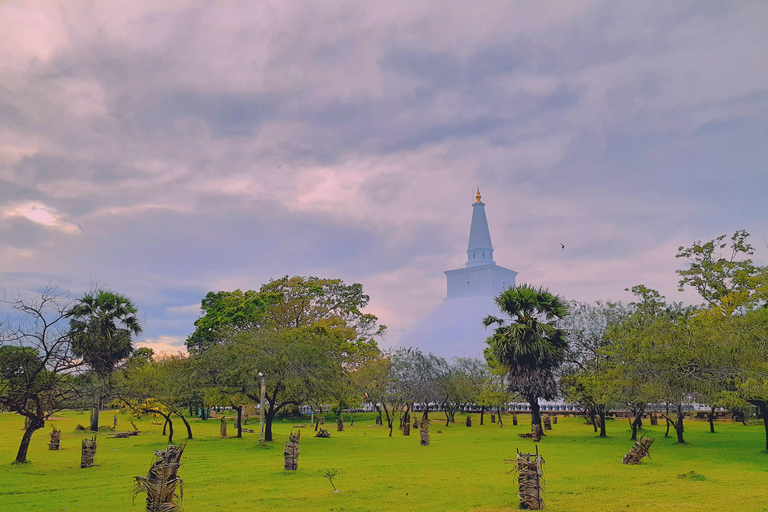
(530, 347)
(102, 325)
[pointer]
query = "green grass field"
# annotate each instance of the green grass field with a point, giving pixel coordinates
(462, 470)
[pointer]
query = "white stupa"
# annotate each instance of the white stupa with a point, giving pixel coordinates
(454, 328)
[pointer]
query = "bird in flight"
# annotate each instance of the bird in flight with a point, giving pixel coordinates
(561, 245)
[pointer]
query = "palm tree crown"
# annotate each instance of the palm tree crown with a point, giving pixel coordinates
(102, 325)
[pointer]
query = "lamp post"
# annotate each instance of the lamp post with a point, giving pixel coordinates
(261, 416)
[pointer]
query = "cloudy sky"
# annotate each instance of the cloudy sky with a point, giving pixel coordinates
(164, 152)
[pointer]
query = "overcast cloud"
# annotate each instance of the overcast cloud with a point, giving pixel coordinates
(168, 149)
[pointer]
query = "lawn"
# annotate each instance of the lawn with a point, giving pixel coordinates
(463, 469)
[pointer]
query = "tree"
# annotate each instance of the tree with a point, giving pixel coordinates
(725, 283)
(163, 386)
(531, 347)
(584, 380)
(227, 313)
(36, 360)
(102, 327)
(298, 365)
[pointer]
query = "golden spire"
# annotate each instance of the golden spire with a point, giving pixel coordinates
(478, 194)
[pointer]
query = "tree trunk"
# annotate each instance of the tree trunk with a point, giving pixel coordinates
(592, 419)
(268, 417)
(712, 419)
(239, 409)
(482, 413)
(679, 426)
(637, 424)
(533, 401)
(165, 427)
(186, 424)
(35, 423)
(762, 406)
(95, 412)
(601, 414)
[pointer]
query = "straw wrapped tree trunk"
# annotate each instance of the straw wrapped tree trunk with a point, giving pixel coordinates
(291, 453)
(161, 482)
(641, 449)
(530, 478)
(55, 443)
(424, 433)
(88, 453)
(536, 433)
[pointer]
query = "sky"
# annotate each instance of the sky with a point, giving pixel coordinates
(168, 149)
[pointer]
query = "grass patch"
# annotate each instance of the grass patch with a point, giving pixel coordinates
(462, 469)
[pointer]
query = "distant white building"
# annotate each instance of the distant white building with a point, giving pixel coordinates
(454, 328)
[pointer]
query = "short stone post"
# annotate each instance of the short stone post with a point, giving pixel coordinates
(291, 453)
(55, 439)
(223, 427)
(88, 453)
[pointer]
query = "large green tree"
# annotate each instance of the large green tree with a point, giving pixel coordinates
(102, 327)
(530, 346)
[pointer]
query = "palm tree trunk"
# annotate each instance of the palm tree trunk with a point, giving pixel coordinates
(533, 402)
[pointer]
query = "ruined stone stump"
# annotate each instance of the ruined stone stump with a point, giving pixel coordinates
(493, 418)
(223, 427)
(340, 424)
(322, 421)
(406, 428)
(162, 480)
(55, 443)
(415, 423)
(291, 453)
(323, 433)
(654, 419)
(547, 423)
(529, 468)
(641, 449)
(554, 420)
(469, 421)
(88, 453)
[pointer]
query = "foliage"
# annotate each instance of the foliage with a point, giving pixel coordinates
(102, 326)
(531, 347)
(724, 282)
(36, 360)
